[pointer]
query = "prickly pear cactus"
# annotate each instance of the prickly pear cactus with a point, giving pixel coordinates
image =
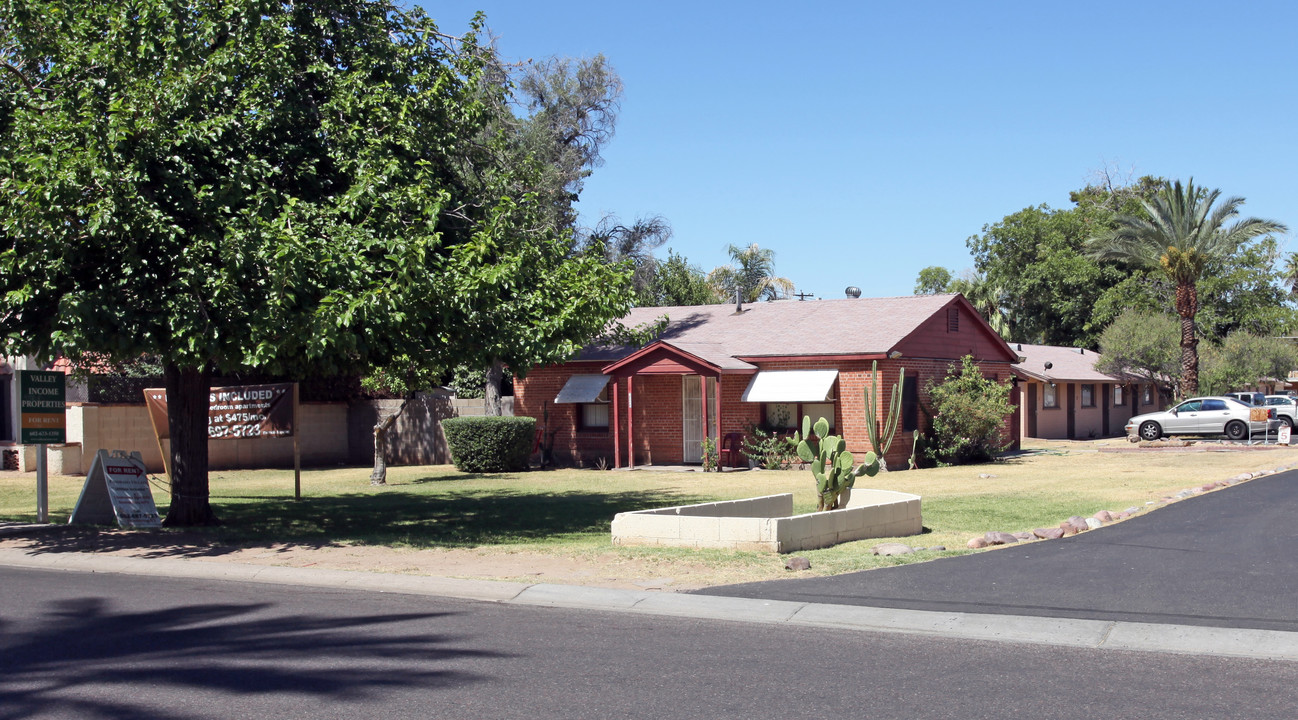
(831, 463)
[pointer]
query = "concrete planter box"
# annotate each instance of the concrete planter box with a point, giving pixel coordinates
(767, 523)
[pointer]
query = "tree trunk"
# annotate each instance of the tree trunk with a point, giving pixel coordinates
(1187, 306)
(495, 378)
(187, 408)
(379, 476)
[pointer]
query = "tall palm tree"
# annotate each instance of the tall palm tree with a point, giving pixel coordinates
(1180, 234)
(752, 272)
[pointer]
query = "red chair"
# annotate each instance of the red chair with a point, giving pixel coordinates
(732, 451)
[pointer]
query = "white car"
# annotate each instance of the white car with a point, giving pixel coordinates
(1285, 408)
(1203, 416)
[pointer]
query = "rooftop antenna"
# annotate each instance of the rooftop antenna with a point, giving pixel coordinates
(802, 296)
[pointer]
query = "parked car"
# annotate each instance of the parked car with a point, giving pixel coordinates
(1286, 408)
(1251, 397)
(1223, 415)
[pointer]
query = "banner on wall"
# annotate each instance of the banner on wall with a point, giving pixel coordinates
(233, 413)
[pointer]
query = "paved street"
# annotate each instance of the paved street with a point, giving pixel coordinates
(105, 645)
(1225, 559)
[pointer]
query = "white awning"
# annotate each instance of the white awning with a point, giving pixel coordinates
(791, 386)
(582, 389)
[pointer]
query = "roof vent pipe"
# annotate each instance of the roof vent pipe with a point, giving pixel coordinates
(739, 300)
(853, 291)
(1081, 351)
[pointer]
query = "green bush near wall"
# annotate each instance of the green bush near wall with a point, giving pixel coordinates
(490, 444)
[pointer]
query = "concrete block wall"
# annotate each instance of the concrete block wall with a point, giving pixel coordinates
(328, 435)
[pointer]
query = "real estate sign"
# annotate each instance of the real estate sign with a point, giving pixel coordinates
(247, 411)
(116, 489)
(42, 398)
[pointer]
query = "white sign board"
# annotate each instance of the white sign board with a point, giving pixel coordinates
(116, 489)
(1284, 435)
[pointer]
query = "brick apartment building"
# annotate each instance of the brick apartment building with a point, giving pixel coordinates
(725, 369)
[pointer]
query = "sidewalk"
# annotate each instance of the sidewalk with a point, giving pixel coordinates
(1094, 634)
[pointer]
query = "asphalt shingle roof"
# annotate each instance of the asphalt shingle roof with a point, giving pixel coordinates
(1067, 364)
(786, 327)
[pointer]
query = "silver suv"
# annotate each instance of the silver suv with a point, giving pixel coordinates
(1251, 397)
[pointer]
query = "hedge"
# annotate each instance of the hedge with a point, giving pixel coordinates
(490, 444)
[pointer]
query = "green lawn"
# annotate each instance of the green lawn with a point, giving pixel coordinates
(568, 512)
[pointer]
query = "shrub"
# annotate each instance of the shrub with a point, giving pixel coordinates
(490, 444)
(769, 450)
(969, 414)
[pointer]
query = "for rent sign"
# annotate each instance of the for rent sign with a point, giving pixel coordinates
(41, 400)
(248, 411)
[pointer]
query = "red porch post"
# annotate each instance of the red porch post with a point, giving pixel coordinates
(617, 430)
(720, 435)
(703, 400)
(630, 422)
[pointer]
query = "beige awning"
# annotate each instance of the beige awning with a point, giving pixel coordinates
(791, 386)
(582, 389)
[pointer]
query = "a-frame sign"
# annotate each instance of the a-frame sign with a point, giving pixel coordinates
(116, 490)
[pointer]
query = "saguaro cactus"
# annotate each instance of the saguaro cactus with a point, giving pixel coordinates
(881, 438)
(831, 463)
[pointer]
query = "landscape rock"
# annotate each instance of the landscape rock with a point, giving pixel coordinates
(797, 562)
(1209, 486)
(889, 549)
(1049, 533)
(1074, 525)
(996, 537)
(1093, 524)
(938, 548)
(976, 543)
(1132, 510)
(1103, 516)
(986, 476)
(1024, 535)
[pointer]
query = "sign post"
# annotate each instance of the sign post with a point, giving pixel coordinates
(42, 397)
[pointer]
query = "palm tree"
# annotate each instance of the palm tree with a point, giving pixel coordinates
(989, 300)
(1291, 272)
(1180, 233)
(752, 272)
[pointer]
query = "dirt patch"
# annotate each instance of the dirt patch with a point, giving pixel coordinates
(600, 570)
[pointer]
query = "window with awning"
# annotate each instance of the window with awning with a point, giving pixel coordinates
(791, 386)
(583, 389)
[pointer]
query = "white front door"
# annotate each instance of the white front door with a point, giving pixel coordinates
(692, 416)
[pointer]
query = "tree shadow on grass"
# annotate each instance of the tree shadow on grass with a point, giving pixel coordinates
(82, 657)
(447, 520)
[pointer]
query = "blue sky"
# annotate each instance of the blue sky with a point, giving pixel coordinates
(862, 141)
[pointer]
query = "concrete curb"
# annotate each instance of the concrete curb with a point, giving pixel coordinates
(1095, 634)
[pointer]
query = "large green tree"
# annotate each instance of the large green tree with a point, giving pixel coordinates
(1141, 344)
(932, 280)
(676, 282)
(1243, 360)
(1181, 231)
(293, 187)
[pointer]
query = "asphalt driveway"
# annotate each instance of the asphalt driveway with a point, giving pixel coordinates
(1226, 559)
